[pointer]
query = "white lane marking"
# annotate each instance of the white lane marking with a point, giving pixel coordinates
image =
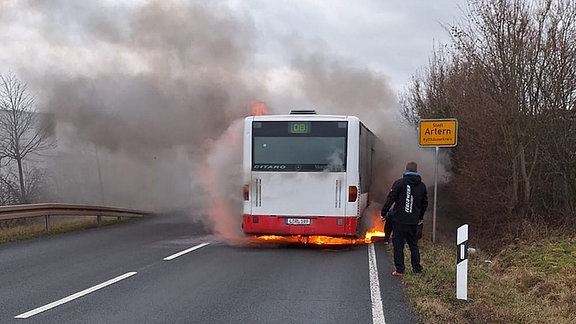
(377, 308)
(174, 256)
(74, 296)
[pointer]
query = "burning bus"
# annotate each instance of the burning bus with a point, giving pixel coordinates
(306, 174)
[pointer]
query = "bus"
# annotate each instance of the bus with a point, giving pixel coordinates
(306, 174)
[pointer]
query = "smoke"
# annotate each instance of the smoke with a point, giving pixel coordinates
(337, 87)
(140, 93)
(163, 74)
(147, 97)
(222, 178)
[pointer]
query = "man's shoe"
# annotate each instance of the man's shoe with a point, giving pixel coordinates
(397, 274)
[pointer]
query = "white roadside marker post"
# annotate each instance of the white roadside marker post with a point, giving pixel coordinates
(462, 263)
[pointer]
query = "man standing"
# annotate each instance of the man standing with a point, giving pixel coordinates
(411, 198)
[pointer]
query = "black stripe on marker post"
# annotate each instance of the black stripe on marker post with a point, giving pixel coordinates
(462, 252)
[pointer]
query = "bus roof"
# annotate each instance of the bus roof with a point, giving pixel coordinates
(302, 117)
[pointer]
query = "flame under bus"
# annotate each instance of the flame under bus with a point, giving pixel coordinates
(306, 174)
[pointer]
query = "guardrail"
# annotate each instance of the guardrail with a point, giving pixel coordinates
(52, 209)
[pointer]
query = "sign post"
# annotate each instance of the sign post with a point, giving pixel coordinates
(437, 133)
(462, 263)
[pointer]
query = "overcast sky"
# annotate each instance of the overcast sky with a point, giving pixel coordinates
(391, 37)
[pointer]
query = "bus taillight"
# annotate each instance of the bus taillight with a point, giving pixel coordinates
(352, 193)
(246, 192)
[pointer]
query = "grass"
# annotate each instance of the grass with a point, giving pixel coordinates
(525, 282)
(35, 228)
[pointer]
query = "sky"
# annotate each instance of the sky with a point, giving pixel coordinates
(152, 92)
(391, 38)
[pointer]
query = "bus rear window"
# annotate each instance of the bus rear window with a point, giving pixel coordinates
(299, 146)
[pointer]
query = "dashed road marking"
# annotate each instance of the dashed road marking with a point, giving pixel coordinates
(174, 256)
(74, 296)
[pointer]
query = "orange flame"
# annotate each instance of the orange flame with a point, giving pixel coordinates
(320, 239)
(373, 233)
(258, 108)
(368, 238)
(377, 228)
(302, 239)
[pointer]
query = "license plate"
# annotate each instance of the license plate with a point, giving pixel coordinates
(298, 221)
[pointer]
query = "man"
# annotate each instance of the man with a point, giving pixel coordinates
(410, 197)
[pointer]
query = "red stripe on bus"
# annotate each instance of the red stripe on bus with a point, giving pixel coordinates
(320, 225)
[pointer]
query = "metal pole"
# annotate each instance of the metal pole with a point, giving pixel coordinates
(435, 196)
(101, 185)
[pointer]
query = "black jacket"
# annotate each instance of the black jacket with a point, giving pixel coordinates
(411, 198)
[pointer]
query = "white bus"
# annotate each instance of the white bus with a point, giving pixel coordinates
(306, 174)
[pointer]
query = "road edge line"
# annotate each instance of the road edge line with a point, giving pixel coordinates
(375, 295)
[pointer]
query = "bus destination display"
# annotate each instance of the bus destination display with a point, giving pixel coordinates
(299, 127)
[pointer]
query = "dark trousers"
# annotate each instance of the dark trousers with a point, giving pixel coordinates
(404, 233)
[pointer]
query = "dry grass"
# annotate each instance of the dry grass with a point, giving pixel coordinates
(526, 282)
(36, 228)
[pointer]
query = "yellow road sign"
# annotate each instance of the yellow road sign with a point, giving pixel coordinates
(438, 132)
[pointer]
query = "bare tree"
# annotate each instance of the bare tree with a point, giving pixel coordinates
(510, 79)
(526, 62)
(23, 131)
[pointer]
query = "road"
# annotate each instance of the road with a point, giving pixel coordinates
(168, 269)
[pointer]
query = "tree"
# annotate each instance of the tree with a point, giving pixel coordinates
(22, 130)
(510, 79)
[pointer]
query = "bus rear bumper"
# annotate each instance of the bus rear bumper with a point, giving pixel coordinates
(318, 225)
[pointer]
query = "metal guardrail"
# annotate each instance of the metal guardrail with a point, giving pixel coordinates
(52, 209)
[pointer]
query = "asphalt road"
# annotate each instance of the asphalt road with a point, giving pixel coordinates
(167, 269)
